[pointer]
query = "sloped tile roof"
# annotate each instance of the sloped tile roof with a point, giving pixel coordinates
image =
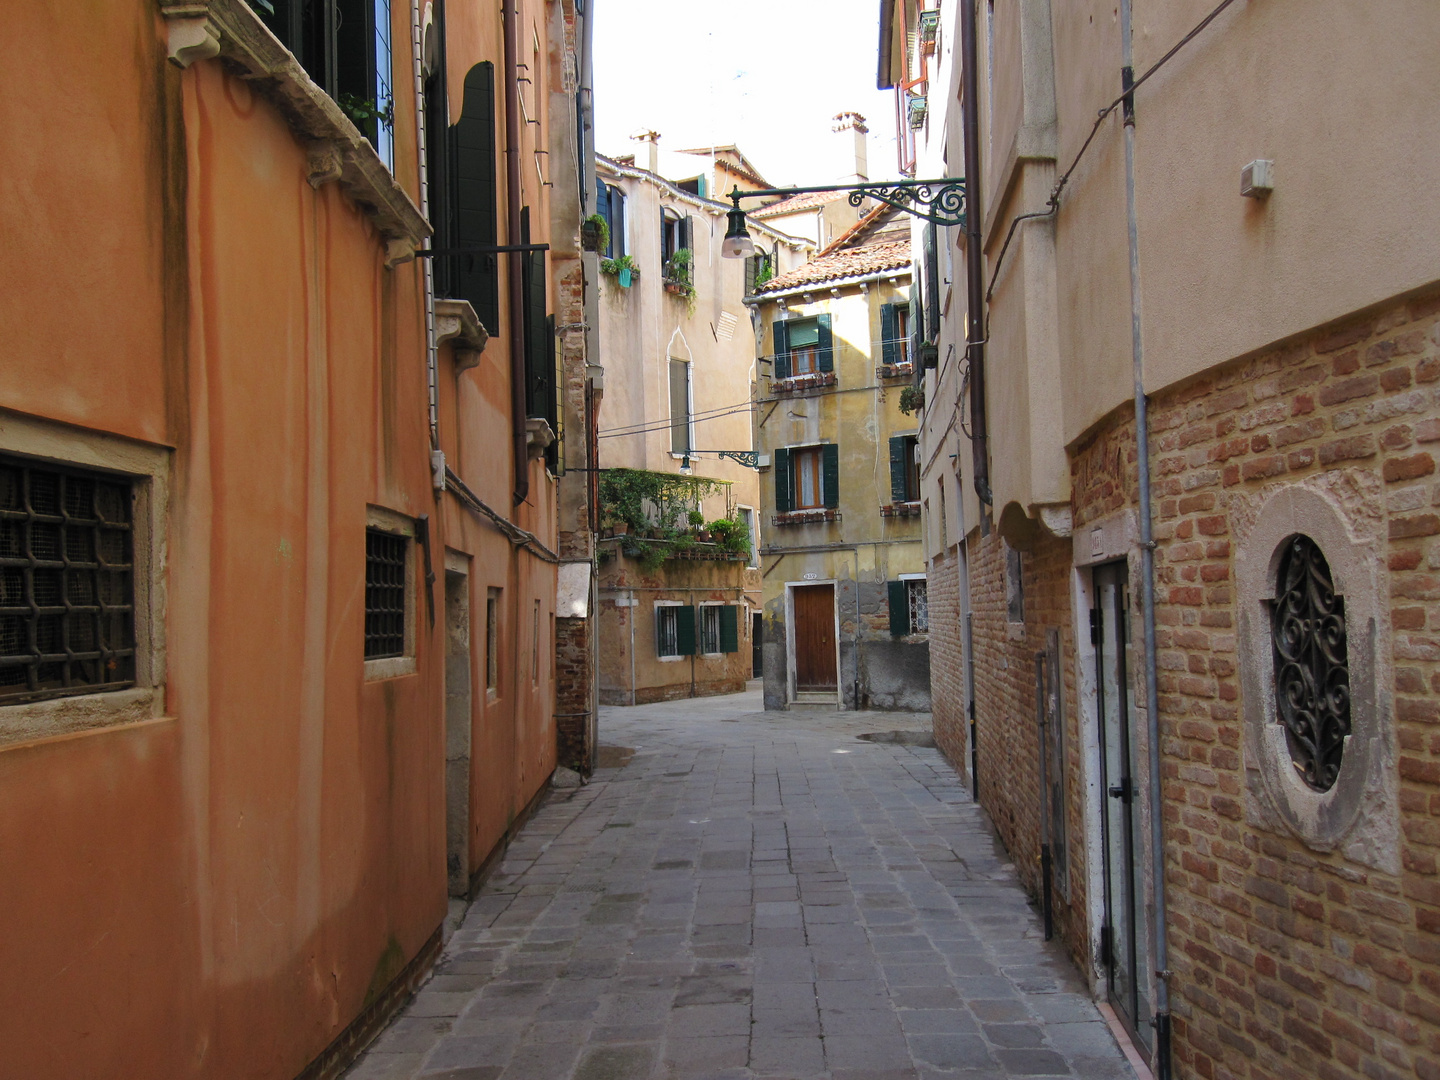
(809, 200)
(845, 263)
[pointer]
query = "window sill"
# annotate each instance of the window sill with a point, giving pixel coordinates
(901, 509)
(805, 517)
(670, 659)
(895, 371)
(202, 29)
(390, 667)
(46, 719)
(796, 384)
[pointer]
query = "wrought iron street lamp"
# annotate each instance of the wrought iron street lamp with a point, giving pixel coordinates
(941, 202)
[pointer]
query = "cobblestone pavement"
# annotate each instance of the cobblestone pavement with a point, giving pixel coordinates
(752, 895)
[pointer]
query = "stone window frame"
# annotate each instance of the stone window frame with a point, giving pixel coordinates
(1358, 815)
(700, 650)
(390, 521)
(667, 658)
(147, 467)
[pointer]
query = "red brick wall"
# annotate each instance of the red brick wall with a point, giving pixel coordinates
(947, 661)
(1289, 962)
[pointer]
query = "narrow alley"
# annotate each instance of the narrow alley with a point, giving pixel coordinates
(738, 894)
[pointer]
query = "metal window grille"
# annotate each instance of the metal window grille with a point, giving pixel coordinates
(67, 593)
(710, 629)
(919, 607)
(384, 594)
(667, 631)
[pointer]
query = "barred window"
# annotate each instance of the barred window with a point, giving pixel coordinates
(710, 629)
(384, 594)
(919, 606)
(667, 631)
(67, 591)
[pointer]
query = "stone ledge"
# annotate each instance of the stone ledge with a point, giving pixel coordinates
(228, 29)
(457, 323)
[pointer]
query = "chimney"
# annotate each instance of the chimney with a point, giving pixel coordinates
(855, 123)
(653, 138)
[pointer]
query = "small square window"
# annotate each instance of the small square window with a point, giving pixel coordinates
(385, 559)
(67, 602)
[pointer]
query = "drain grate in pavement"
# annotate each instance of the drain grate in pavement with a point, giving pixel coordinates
(901, 738)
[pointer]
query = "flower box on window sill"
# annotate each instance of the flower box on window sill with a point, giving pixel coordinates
(678, 288)
(901, 509)
(805, 517)
(797, 383)
(895, 371)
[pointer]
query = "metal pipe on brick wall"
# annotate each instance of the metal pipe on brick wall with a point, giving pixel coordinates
(1147, 572)
(974, 256)
(511, 19)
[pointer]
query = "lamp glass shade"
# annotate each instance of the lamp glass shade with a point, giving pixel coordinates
(737, 243)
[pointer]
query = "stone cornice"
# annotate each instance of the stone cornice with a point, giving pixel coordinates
(457, 323)
(228, 29)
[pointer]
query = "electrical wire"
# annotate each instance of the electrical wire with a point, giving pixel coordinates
(665, 425)
(640, 426)
(1053, 204)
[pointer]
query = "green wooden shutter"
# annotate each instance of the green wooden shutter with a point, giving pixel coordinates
(826, 349)
(685, 630)
(830, 474)
(781, 333)
(784, 483)
(888, 350)
(899, 473)
(899, 608)
(602, 207)
(932, 282)
(729, 629)
(476, 277)
(686, 241)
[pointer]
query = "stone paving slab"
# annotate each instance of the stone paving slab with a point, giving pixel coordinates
(752, 895)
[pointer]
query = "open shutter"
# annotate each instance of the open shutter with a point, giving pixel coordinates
(899, 608)
(685, 630)
(729, 629)
(781, 332)
(784, 483)
(932, 281)
(830, 475)
(825, 350)
(602, 207)
(476, 277)
(685, 240)
(899, 470)
(888, 350)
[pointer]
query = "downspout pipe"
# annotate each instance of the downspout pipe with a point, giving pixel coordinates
(974, 257)
(511, 17)
(1147, 571)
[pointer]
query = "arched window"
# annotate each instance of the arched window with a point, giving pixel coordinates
(1312, 675)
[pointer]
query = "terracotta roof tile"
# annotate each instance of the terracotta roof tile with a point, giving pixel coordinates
(809, 200)
(848, 262)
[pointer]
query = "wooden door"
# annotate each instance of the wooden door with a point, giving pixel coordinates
(815, 638)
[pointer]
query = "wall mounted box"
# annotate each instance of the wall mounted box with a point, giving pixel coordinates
(1257, 180)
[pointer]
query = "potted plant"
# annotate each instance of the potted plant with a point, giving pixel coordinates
(594, 233)
(680, 276)
(912, 399)
(622, 269)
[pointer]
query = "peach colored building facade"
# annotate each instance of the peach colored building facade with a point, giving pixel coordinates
(326, 674)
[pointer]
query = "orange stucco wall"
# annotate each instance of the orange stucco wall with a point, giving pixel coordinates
(218, 891)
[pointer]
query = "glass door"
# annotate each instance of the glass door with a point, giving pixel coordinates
(1125, 932)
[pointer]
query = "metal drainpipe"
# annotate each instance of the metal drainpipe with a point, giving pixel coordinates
(1147, 574)
(511, 18)
(974, 258)
(432, 364)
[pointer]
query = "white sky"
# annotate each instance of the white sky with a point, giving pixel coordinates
(767, 75)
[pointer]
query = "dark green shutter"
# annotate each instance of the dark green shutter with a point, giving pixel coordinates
(685, 242)
(685, 630)
(781, 332)
(899, 608)
(826, 344)
(887, 334)
(784, 483)
(830, 474)
(917, 322)
(932, 282)
(602, 207)
(539, 364)
(899, 471)
(729, 629)
(476, 277)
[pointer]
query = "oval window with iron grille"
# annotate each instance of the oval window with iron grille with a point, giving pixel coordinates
(1312, 676)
